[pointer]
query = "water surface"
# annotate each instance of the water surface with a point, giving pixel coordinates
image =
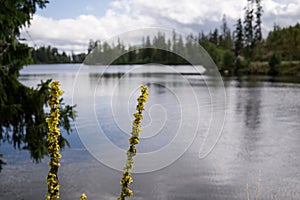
(259, 145)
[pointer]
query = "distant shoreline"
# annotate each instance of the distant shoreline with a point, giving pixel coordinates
(286, 68)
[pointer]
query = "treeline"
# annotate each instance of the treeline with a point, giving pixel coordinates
(242, 50)
(159, 49)
(51, 55)
(230, 50)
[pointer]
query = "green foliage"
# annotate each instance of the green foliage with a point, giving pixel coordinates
(252, 27)
(235, 57)
(258, 21)
(213, 51)
(228, 59)
(238, 38)
(155, 51)
(15, 14)
(246, 44)
(248, 24)
(22, 115)
(285, 42)
(49, 55)
(241, 64)
(225, 39)
(274, 63)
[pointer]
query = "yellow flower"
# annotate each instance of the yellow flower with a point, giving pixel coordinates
(83, 197)
(52, 140)
(133, 140)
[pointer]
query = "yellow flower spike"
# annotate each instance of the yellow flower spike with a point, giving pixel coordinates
(133, 140)
(52, 141)
(83, 197)
(128, 179)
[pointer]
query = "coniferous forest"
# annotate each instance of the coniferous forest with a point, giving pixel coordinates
(239, 51)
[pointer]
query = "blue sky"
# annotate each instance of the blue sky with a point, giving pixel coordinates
(70, 24)
(60, 9)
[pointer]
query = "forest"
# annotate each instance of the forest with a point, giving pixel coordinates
(241, 51)
(51, 55)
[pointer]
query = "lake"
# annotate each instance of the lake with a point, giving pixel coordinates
(200, 140)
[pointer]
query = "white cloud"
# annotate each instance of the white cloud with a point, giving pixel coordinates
(125, 15)
(283, 13)
(194, 11)
(74, 34)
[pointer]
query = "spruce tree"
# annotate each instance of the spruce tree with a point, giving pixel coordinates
(248, 23)
(258, 21)
(238, 38)
(22, 115)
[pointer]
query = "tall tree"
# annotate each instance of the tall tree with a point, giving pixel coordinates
(238, 38)
(224, 30)
(214, 37)
(258, 21)
(159, 42)
(248, 23)
(225, 40)
(147, 52)
(248, 28)
(22, 115)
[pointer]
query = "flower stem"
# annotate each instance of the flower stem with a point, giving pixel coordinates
(133, 140)
(52, 140)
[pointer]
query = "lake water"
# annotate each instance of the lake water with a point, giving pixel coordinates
(257, 141)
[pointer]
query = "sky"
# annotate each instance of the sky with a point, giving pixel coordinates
(70, 24)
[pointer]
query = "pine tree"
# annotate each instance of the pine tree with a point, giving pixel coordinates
(248, 23)
(248, 29)
(224, 30)
(258, 21)
(214, 37)
(147, 51)
(238, 38)
(225, 40)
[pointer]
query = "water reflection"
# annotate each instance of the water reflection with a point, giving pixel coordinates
(252, 105)
(172, 111)
(260, 138)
